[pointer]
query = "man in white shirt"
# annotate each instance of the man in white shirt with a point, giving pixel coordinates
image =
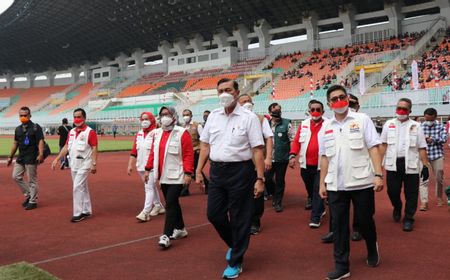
(350, 166)
(231, 138)
(403, 145)
(246, 102)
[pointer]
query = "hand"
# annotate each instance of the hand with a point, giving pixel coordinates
(292, 163)
(93, 169)
(199, 177)
(9, 161)
(259, 188)
(55, 163)
(323, 191)
(425, 174)
(429, 140)
(129, 170)
(268, 164)
(187, 180)
(146, 176)
(378, 184)
(40, 158)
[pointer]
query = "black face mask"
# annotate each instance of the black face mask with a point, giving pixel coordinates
(205, 118)
(276, 114)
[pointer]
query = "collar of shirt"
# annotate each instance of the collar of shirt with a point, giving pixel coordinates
(350, 114)
(79, 129)
(314, 124)
(237, 110)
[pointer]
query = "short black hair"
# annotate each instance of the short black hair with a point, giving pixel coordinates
(314, 101)
(187, 110)
(430, 112)
(225, 80)
(353, 97)
(83, 112)
(65, 121)
(207, 111)
(271, 106)
(407, 100)
(25, 108)
(334, 88)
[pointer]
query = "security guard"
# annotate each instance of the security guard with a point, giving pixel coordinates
(349, 156)
(231, 138)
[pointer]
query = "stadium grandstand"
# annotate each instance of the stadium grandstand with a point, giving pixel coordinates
(125, 56)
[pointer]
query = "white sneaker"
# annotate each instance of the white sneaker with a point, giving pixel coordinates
(179, 233)
(164, 241)
(157, 209)
(143, 216)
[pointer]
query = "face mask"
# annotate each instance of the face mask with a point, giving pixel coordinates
(226, 99)
(145, 124)
(402, 114)
(340, 107)
(248, 106)
(429, 123)
(24, 120)
(316, 116)
(186, 119)
(166, 121)
(352, 109)
(275, 114)
(78, 122)
(205, 118)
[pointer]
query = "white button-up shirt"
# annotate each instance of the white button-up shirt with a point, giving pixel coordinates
(232, 137)
(266, 130)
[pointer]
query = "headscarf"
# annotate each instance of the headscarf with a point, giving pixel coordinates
(172, 111)
(152, 120)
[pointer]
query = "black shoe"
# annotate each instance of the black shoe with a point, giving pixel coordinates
(79, 218)
(356, 236)
(255, 229)
(86, 214)
(328, 238)
(407, 226)
(31, 206)
(62, 166)
(373, 256)
(278, 208)
(337, 274)
(25, 202)
(397, 215)
(308, 205)
(185, 191)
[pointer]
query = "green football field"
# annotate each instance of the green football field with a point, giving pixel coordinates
(24, 271)
(105, 145)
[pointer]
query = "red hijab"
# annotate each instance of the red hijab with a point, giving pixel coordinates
(152, 120)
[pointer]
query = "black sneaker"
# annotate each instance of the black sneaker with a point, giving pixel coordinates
(278, 208)
(373, 256)
(31, 206)
(407, 226)
(328, 238)
(397, 215)
(79, 218)
(308, 205)
(25, 202)
(356, 236)
(86, 214)
(337, 274)
(255, 229)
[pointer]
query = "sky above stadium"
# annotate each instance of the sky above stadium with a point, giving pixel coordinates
(4, 4)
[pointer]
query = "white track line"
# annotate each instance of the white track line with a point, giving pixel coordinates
(108, 247)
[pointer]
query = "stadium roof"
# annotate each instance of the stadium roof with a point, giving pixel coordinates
(36, 35)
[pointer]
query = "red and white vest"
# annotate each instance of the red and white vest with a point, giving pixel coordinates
(80, 152)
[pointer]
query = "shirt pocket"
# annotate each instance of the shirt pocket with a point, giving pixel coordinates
(361, 168)
(330, 147)
(413, 139)
(239, 136)
(81, 145)
(356, 141)
(173, 148)
(413, 161)
(391, 137)
(302, 137)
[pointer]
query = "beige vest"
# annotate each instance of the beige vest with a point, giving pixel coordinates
(350, 146)
(80, 152)
(412, 162)
(172, 171)
(193, 131)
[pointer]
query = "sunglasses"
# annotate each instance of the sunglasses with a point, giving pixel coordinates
(23, 116)
(319, 110)
(402, 108)
(337, 98)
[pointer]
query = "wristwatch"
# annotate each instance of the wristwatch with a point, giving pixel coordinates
(379, 175)
(261, 179)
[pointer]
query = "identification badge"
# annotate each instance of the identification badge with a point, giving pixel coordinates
(280, 134)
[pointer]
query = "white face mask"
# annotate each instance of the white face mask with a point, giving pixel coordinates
(248, 106)
(226, 99)
(340, 110)
(429, 123)
(316, 118)
(186, 119)
(166, 121)
(402, 117)
(352, 109)
(145, 124)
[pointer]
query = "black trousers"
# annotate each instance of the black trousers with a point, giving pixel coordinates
(364, 204)
(259, 210)
(318, 206)
(230, 204)
(308, 175)
(174, 216)
(205, 180)
(355, 225)
(395, 180)
(276, 187)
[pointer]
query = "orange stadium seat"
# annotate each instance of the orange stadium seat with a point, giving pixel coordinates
(76, 101)
(136, 90)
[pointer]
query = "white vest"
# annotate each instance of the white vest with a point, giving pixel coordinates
(305, 137)
(172, 171)
(412, 165)
(80, 152)
(143, 147)
(350, 147)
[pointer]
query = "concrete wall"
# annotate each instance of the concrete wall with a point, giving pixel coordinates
(216, 58)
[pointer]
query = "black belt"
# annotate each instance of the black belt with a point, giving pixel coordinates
(228, 164)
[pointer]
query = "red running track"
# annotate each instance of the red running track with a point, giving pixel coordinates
(112, 245)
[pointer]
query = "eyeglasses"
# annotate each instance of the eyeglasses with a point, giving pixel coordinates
(402, 108)
(315, 110)
(337, 98)
(23, 116)
(77, 117)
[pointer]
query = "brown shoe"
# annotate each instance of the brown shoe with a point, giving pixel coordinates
(423, 206)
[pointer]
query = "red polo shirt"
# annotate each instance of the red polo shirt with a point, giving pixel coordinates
(312, 152)
(92, 138)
